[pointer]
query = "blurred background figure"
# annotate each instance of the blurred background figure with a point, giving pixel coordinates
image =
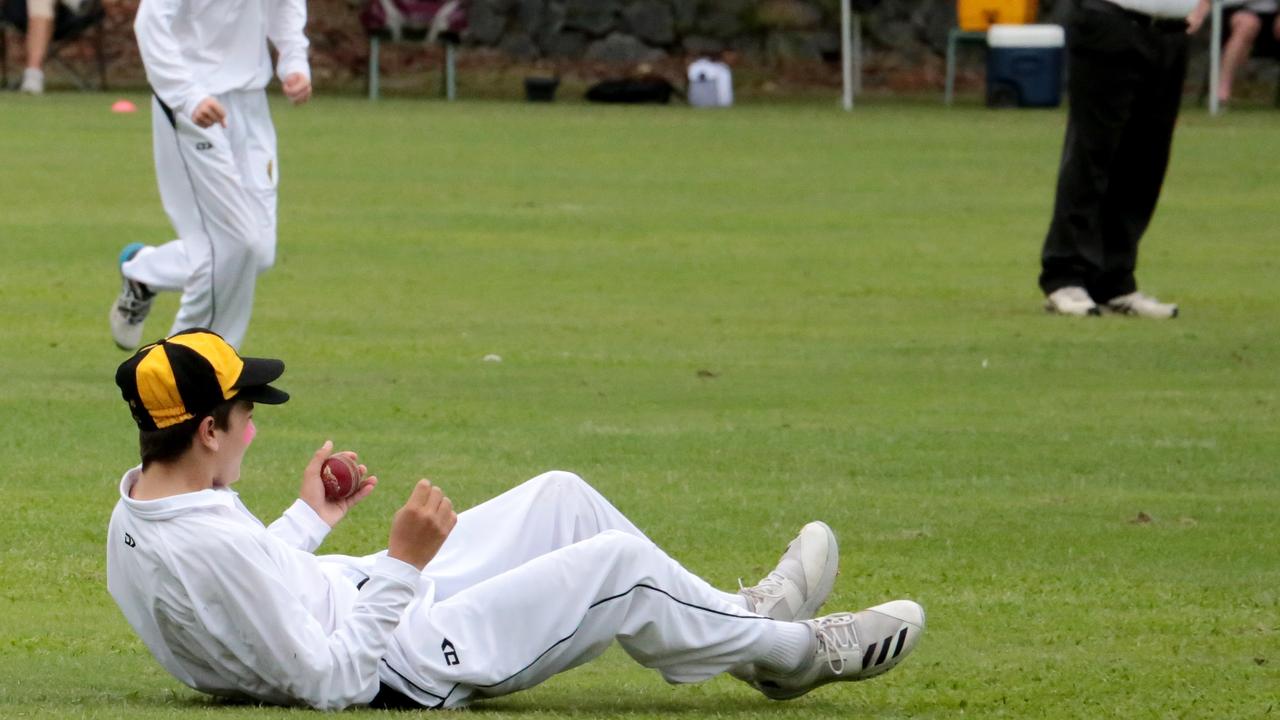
(39, 33)
(1244, 24)
(40, 22)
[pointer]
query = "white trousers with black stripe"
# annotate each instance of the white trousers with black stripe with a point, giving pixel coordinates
(218, 187)
(544, 578)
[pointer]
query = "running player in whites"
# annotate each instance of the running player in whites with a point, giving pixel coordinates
(215, 154)
(459, 607)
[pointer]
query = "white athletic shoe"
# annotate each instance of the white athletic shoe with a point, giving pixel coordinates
(1071, 300)
(130, 309)
(32, 81)
(850, 647)
(1135, 303)
(801, 582)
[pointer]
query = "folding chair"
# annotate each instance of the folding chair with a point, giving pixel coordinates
(423, 21)
(68, 28)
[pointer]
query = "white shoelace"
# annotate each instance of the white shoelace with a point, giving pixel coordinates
(834, 634)
(769, 588)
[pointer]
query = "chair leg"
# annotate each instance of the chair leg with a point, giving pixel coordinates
(450, 73)
(101, 57)
(373, 66)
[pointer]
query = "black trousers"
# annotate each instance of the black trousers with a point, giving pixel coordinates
(1125, 76)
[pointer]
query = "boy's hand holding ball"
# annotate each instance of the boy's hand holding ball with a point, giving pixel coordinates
(334, 482)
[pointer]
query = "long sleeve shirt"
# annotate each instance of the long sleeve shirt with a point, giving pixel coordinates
(232, 608)
(194, 49)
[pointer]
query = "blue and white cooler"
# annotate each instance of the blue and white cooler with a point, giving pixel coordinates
(1024, 65)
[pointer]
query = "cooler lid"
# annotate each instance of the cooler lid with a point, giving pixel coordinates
(1026, 36)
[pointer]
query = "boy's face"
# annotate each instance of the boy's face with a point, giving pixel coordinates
(232, 443)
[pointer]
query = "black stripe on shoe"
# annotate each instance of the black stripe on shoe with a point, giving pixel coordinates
(902, 640)
(866, 658)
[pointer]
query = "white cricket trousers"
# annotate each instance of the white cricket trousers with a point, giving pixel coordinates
(218, 187)
(544, 578)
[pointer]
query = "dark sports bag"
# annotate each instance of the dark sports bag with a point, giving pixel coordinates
(638, 90)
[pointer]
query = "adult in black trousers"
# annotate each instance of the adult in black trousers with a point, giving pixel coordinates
(1125, 77)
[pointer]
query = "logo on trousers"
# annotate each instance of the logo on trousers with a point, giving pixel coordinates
(128, 540)
(202, 145)
(450, 655)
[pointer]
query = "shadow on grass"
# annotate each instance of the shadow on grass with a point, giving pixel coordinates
(585, 705)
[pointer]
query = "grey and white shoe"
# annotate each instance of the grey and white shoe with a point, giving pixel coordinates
(1071, 300)
(850, 647)
(129, 311)
(32, 81)
(802, 580)
(1141, 305)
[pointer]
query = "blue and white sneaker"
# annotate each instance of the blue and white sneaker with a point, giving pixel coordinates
(849, 647)
(129, 311)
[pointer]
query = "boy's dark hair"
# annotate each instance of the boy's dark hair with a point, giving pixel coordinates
(170, 443)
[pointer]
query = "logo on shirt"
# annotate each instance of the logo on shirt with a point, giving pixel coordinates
(128, 540)
(202, 145)
(450, 655)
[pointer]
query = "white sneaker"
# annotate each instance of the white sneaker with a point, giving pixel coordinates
(803, 578)
(130, 309)
(32, 81)
(1135, 303)
(850, 647)
(1071, 300)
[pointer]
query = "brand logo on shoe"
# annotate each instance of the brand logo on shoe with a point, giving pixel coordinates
(203, 145)
(450, 655)
(884, 646)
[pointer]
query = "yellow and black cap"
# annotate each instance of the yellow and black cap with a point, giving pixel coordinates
(189, 374)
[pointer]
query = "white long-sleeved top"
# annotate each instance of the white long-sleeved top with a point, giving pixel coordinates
(232, 608)
(1172, 9)
(193, 49)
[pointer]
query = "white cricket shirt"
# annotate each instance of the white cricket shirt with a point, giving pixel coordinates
(1171, 9)
(193, 49)
(232, 608)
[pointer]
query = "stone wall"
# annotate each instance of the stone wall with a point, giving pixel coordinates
(629, 31)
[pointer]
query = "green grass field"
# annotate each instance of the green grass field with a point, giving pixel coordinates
(730, 323)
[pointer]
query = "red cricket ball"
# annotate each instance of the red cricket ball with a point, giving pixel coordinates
(341, 477)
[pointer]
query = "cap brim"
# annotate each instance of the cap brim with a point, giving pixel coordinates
(263, 394)
(254, 378)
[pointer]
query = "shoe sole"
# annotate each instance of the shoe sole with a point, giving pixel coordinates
(1125, 313)
(126, 254)
(1094, 311)
(809, 608)
(111, 315)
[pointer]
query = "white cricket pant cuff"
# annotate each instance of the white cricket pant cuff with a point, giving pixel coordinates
(163, 268)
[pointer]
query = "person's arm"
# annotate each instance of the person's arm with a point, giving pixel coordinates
(285, 25)
(300, 527)
(250, 609)
(170, 78)
(1197, 16)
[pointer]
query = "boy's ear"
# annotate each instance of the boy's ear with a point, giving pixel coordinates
(204, 433)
